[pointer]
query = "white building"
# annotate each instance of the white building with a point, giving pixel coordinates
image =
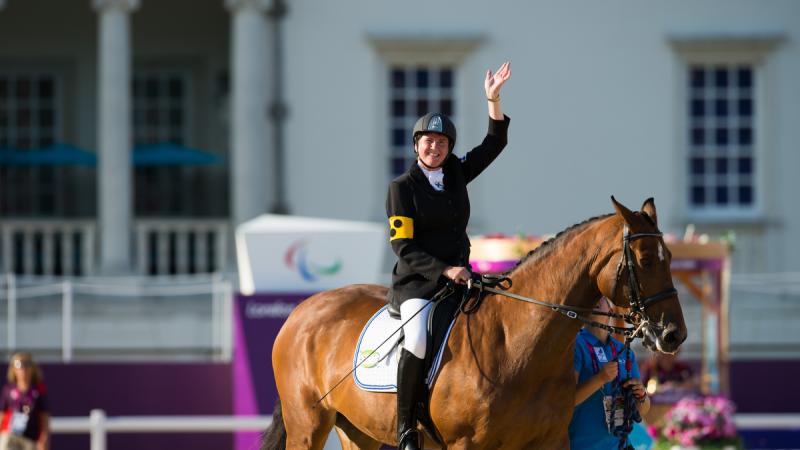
(693, 103)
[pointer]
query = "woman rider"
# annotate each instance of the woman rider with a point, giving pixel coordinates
(428, 210)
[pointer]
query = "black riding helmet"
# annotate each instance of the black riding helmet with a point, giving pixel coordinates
(436, 123)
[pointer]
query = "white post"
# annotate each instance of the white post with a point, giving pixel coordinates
(114, 133)
(66, 321)
(227, 314)
(27, 250)
(48, 246)
(162, 250)
(67, 248)
(250, 135)
(216, 317)
(141, 248)
(8, 252)
(11, 325)
(97, 434)
(182, 248)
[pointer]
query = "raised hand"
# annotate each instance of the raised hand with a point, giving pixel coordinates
(494, 82)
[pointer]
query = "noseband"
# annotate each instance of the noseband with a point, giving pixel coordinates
(638, 304)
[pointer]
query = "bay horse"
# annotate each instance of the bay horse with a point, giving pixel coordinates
(507, 379)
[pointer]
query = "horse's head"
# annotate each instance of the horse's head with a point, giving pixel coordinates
(637, 276)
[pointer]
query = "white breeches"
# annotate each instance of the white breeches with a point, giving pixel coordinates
(416, 336)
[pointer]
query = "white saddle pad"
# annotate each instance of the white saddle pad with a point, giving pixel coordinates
(378, 371)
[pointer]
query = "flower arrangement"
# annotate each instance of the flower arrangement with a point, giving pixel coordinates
(698, 422)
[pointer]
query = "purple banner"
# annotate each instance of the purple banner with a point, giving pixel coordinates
(258, 318)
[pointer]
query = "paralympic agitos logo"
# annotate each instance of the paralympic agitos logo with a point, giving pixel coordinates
(296, 258)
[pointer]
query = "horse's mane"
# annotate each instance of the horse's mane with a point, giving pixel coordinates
(548, 246)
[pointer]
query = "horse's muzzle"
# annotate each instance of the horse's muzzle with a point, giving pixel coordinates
(665, 339)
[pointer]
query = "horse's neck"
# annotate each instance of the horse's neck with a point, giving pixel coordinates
(533, 333)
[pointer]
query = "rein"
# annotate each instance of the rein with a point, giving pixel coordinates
(637, 317)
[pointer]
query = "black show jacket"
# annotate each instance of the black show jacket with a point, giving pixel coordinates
(428, 228)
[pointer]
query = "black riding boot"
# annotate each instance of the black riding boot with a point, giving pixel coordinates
(409, 383)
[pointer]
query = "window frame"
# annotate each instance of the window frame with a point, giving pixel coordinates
(403, 49)
(728, 51)
(32, 194)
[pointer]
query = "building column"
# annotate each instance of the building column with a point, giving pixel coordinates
(252, 157)
(114, 134)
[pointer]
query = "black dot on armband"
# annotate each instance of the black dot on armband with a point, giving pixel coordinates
(398, 223)
(392, 232)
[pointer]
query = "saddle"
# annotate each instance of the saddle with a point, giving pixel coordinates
(377, 351)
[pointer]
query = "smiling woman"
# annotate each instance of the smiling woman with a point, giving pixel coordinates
(25, 421)
(428, 210)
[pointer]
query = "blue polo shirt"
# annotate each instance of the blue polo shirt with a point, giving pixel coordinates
(588, 430)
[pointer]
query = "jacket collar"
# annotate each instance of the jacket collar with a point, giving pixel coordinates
(415, 172)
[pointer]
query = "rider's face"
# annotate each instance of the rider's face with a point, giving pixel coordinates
(432, 149)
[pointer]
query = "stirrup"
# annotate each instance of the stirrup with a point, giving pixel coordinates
(410, 437)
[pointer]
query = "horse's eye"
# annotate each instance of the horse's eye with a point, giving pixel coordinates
(646, 262)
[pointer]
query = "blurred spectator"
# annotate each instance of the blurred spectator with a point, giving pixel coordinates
(25, 423)
(664, 372)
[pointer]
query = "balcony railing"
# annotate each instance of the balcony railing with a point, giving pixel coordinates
(48, 247)
(162, 246)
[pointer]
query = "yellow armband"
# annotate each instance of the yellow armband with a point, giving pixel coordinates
(401, 227)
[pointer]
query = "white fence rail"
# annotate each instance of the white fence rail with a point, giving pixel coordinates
(98, 425)
(219, 290)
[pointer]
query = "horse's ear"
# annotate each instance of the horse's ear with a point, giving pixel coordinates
(622, 211)
(649, 208)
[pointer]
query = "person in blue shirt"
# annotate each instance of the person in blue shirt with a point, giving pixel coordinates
(595, 396)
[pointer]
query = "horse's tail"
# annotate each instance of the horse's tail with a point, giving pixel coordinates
(274, 437)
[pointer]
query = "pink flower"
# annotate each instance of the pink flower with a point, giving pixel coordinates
(698, 420)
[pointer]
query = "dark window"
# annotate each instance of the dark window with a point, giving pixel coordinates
(745, 166)
(398, 78)
(422, 107)
(698, 108)
(698, 136)
(422, 78)
(721, 108)
(446, 107)
(722, 195)
(697, 77)
(698, 166)
(698, 195)
(446, 78)
(745, 136)
(721, 136)
(744, 76)
(745, 107)
(398, 108)
(399, 137)
(721, 166)
(746, 195)
(721, 77)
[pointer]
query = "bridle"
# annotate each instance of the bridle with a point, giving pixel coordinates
(637, 316)
(637, 303)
